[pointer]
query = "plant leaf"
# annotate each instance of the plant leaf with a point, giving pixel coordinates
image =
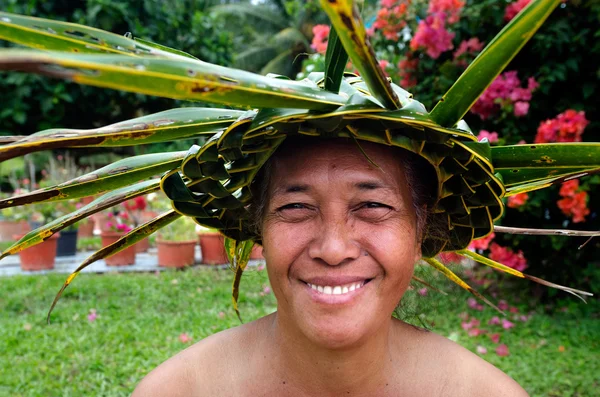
(457, 280)
(531, 167)
(242, 256)
(184, 78)
(499, 266)
(457, 101)
(164, 126)
(336, 59)
(346, 21)
(137, 234)
(116, 175)
(45, 34)
(106, 201)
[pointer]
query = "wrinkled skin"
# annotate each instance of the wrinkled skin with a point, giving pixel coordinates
(334, 218)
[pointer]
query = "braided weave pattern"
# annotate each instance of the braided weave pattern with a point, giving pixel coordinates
(212, 184)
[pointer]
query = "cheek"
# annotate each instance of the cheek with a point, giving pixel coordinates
(283, 243)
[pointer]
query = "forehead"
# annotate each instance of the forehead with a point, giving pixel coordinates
(337, 162)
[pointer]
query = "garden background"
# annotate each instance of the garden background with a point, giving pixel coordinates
(108, 331)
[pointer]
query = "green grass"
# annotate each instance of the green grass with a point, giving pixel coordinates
(140, 318)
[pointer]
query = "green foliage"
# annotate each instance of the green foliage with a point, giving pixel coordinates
(110, 355)
(31, 103)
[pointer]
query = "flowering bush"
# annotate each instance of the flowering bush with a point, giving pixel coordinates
(428, 44)
(119, 221)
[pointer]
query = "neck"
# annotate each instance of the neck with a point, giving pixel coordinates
(317, 370)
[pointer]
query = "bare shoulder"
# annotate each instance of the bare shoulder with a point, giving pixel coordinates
(201, 369)
(462, 372)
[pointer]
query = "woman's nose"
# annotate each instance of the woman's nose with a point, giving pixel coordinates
(334, 243)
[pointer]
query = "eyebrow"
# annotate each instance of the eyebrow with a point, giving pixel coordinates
(303, 188)
(294, 188)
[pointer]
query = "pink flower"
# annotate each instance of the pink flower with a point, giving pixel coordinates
(492, 137)
(502, 305)
(507, 324)
(221, 314)
(495, 338)
(384, 64)
(508, 257)
(517, 200)
(260, 267)
(320, 36)
(494, 321)
(505, 91)
(521, 108)
(432, 36)
(482, 243)
(467, 325)
(481, 350)
(566, 127)
(473, 304)
(471, 46)
(109, 225)
(513, 309)
(475, 332)
(422, 291)
(514, 8)
(451, 8)
(92, 315)
(502, 350)
(184, 338)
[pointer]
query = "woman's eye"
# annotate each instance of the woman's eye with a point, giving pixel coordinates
(292, 206)
(371, 205)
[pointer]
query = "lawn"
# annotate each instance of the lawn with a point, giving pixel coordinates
(142, 319)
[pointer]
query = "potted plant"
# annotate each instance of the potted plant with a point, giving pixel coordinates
(211, 246)
(135, 209)
(39, 257)
(177, 244)
(117, 226)
(12, 222)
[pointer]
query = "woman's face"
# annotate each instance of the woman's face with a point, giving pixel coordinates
(340, 240)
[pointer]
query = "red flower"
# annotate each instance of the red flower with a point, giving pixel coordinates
(502, 350)
(407, 69)
(517, 200)
(467, 47)
(492, 137)
(450, 257)
(482, 243)
(320, 35)
(573, 203)
(566, 127)
(507, 257)
(390, 18)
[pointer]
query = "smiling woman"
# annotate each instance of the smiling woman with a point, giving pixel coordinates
(345, 180)
(340, 236)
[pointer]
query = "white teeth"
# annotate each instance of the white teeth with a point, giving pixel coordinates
(337, 289)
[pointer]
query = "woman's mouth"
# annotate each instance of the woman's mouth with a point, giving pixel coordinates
(338, 289)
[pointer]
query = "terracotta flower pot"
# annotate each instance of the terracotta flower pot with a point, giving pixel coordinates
(9, 228)
(176, 253)
(213, 251)
(39, 257)
(86, 229)
(142, 246)
(122, 258)
(257, 252)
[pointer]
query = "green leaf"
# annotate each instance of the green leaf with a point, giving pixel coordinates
(184, 78)
(458, 281)
(106, 201)
(134, 236)
(336, 59)
(116, 175)
(491, 61)
(45, 34)
(242, 256)
(531, 167)
(349, 27)
(164, 126)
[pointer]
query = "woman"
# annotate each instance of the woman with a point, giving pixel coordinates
(341, 236)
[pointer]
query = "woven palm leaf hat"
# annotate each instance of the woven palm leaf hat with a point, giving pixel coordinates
(211, 182)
